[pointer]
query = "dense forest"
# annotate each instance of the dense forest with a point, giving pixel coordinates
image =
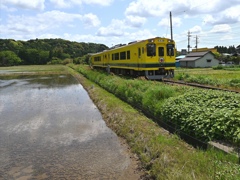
(45, 51)
(229, 50)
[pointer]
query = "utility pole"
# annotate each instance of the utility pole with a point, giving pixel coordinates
(171, 25)
(189, 35)
(196, 42)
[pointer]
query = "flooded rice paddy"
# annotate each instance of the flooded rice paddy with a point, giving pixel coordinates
(50, 129)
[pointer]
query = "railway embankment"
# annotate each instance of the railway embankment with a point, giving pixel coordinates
(163, 155)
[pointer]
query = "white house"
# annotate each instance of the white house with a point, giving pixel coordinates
(199, 59)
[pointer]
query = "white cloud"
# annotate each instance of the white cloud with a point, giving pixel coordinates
(116, 28)
(6, 8)
(43, 22)
(208, 19)
(61, 3)
(226, 37)
(26, 4)
(140, 35)
(99, 2)
(109, 31)
(215, 12)
(146, 8)
(196, 29)
(222, 28)
(91, 20)
(166, 22)
(71, 3)
(135, 21)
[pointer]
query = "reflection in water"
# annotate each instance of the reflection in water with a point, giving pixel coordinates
(50, 129)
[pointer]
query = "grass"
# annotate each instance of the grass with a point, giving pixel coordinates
(33, 69)
(164, 156)
(225, 78)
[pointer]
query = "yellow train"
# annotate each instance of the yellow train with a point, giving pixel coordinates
(153, 58)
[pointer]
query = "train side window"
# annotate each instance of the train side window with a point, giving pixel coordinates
(113, 56)
(151, 49)
(139, 52)
(128, 54)
(98, 58)
(123, 55)
(160, 51)
(116, 56)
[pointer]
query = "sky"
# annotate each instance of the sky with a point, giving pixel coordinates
(111, 22)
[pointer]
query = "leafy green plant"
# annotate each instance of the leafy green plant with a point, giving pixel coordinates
(210, 115)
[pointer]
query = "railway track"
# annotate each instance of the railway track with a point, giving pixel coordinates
(168, 81)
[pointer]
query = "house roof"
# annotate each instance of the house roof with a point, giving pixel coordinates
(180, 57)
(193, 56)
(198, 54)
(189, 58)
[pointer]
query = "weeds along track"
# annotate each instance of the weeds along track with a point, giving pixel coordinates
(168, 81)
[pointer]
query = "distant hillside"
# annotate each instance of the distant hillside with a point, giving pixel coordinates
(43, 51)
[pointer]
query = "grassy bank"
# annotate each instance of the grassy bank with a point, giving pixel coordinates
(163, 155)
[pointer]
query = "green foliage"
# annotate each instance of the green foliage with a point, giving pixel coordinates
(211, 115)
(9, 58)
(218, 67)
(221, 76)
(34, 56)
(82, 60)
(206, 114)
(224, 49)
(41, 51)
(55, 60)
(67, 61)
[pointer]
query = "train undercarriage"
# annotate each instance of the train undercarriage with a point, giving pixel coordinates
(149, 74)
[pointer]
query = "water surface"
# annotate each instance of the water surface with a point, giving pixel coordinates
(50, 129)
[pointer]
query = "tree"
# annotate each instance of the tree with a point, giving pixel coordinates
(34, 51)
(9, 58)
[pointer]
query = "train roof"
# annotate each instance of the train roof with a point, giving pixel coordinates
(130, 43)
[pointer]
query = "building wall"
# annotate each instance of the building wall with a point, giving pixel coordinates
(190, 64)
(207, 61)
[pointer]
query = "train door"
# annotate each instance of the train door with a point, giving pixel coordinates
(108, 59)
(161, 54)
(139, 58)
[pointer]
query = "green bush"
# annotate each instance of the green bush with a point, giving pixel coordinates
(207, 114)
(67, 61)
(218, 67)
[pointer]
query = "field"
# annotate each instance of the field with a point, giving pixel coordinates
(33, 69)
(163, 155)
(228, 77)
(151, 143)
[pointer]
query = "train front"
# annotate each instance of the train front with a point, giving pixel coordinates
(160, 58)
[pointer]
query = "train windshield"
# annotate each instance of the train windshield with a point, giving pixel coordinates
(151, 49)
(170, 49)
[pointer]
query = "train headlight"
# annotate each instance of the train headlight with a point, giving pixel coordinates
(161, 60)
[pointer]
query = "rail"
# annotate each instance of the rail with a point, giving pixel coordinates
(168, 81)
